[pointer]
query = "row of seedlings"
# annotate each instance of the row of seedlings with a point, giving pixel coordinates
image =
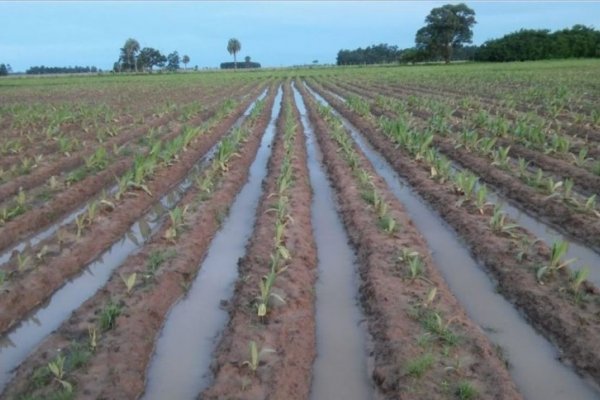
(534, 277)
(424, 342)
(60, 153)
(104, 349)
(40, 270)
(550, 198)
(268, 347)
(528, 136)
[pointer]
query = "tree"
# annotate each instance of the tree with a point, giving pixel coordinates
(128, 58)
(247, 59)
(448, 27)
(173, 61)
(233, 46)
(185, 60)
(3, 70)
(150, 58)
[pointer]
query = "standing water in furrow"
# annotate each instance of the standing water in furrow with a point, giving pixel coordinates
(46, 233)
(533, 360)
(341, 341)
(16, 344)
(583, 256)
(180, 366)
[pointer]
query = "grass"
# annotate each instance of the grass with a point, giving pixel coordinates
(419, 366)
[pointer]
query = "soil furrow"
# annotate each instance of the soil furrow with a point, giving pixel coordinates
(572, 326)
(117, 362)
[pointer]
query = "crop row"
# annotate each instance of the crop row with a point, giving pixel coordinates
(129, 312)
(561, 308)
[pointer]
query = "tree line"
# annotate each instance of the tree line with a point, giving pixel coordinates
(132, 58)
(40, 70)
(529, 44)
(448, 28)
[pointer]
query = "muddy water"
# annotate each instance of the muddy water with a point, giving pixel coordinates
(583, 255)
(341, 342)
(46, 233)
(16, 344)
(180, 366)
(534, 361)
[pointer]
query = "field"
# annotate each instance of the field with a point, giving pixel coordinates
(427, 232)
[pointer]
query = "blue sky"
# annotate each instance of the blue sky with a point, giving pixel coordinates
(272, 33)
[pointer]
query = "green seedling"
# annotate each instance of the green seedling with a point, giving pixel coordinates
(578, 277)
(498, 222)
(57, 367)
(255, 355)
(557, 253)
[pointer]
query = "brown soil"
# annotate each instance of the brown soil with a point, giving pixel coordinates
(126, 130)
(42, 282)
(553, 211)
(289, 328)
(550, 308)
(62, 163)
(73, 197)
(390, 298)
(117, 368)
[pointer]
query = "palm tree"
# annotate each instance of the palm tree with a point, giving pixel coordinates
(233, 46)
(185, 60)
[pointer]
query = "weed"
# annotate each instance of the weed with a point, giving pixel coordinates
(418, 366)
(465, 391)
(109, 314)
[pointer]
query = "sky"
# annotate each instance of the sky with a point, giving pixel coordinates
(274, 33)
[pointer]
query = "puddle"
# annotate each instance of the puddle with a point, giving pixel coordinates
(341, 341)
(179, 368)
(534, 360)
(17, 344)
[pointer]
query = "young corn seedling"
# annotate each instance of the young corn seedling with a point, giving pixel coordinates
(581, 159)
(266, 286)
(177, 216)
(129, 281)
(498, 222)
(501, 157)
(93, 337)
(557, 253)
(255, 355)
(57, 367)
(414, 262)
(80, 222)
(481, 199)
(23, 262)
(578, 277)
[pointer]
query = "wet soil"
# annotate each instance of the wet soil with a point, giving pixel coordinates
(583, 226)
(289, 328)
(110, 226)
(390, 298)
(551, 308)
(118, 366)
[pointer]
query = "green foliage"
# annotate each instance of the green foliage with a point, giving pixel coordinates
(447, 27)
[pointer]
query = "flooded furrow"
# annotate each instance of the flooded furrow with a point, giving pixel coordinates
(180, 365)
(584, 256)
(533, 360)
(341, 340)
(20, 341)
(48, 232)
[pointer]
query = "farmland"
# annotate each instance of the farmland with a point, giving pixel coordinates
(427, 232)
